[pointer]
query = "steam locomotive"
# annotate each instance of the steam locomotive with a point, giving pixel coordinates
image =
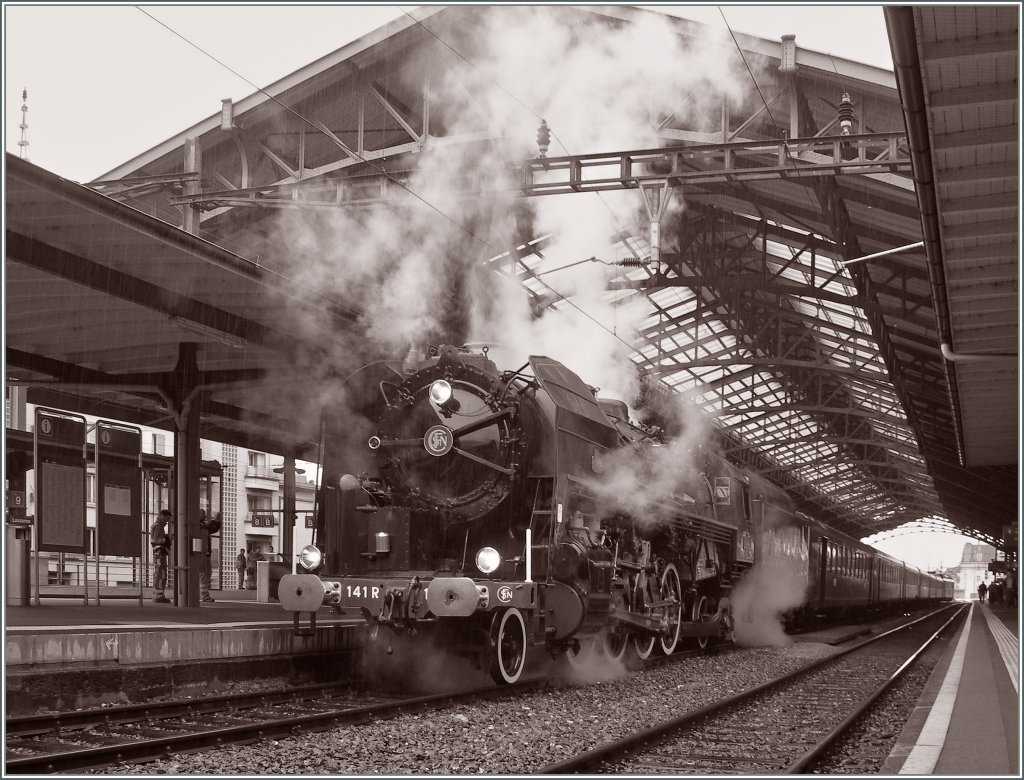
(472, 504)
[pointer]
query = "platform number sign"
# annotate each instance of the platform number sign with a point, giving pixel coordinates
(723, 492)
(16, 506)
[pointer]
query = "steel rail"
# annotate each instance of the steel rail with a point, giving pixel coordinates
(163, 746)
(30, 725)
(811, 756)
(593, 758)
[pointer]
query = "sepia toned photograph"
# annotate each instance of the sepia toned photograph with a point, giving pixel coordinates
(508, 389)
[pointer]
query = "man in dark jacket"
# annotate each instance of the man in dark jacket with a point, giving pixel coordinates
(160, 543)
(208, 528)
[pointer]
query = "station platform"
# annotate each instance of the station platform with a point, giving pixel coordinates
(64, 654)
(967, 721)
(125, 631)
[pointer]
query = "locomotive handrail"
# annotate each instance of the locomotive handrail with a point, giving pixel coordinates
(398, 442)
(483, 422)
(482, 461)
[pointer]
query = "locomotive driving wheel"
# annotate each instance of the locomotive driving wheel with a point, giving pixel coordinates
(704, 611)
(616, 636)
(643, 642)
(506, 652)
(671, 591)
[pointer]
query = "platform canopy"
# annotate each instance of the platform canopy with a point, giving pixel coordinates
(395, 188)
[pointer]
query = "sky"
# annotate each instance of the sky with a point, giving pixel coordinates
(106, 83)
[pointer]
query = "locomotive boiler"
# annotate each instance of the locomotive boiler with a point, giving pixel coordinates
(471, 509)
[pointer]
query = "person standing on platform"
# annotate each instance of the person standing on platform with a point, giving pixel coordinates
(250, 570)
(240, 567)
(982, 590)
(161, 544)
(208, 528)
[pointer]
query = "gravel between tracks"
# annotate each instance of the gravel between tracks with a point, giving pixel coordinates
(516, 735)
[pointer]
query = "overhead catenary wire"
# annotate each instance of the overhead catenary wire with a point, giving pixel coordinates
(383, 171)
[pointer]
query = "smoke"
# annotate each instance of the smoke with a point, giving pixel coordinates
(414, 270)
(416, 666)
(765, 593)
(776, 583)
(593, 664)
(647, 481)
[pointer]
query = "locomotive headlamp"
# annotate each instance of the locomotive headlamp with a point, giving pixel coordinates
(488, 560)
(310, 558)
(440, 392)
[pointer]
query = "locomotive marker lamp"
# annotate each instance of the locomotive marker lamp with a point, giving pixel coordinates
(488, 560)
(310, 558)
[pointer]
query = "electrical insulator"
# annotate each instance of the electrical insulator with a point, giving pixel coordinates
(845, 114)
(543, 137)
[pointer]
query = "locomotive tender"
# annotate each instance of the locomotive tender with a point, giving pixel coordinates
(481, 519)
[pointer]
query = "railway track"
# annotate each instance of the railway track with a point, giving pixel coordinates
(91, 739)
(783, 726)
(95, 738)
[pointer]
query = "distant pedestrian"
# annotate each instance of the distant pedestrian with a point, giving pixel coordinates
(995, 593)
(240, 567)
(250, 570)
(160, 542)
(982, 591)
(208, 527)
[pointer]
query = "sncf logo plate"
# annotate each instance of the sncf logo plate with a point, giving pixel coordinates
(438, 440)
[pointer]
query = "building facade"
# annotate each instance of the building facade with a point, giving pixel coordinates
(973, 570)
(248, 492)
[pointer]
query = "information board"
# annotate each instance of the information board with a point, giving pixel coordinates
(119, 490)
(60, 481)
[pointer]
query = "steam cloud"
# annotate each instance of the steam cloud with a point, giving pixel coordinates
(639, 482)
(760, 600)
(415, 269)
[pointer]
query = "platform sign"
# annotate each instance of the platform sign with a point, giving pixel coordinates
(60, 481)
(16, 507)
(118, 490)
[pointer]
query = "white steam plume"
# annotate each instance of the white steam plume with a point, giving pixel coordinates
(646, 482)
(414, 268)
(776, 584)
